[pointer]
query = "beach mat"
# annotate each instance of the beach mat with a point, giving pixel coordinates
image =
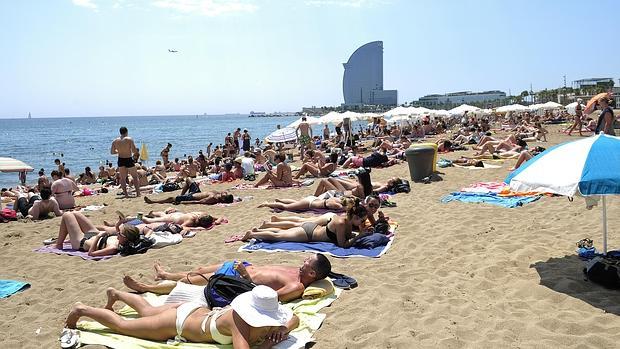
(67, 250)
(490, 198)
(323, 247)
(10, 287)
(307, 310)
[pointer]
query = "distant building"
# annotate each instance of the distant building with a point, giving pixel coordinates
(362, 83)
(592, 82)
(460, 98)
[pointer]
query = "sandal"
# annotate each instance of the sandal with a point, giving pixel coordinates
(49, 241)
(343, 281)
(234, 238)
(69, 338)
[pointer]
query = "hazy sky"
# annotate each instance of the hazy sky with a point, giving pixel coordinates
(110, 57)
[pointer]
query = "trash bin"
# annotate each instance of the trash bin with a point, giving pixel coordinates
(423, 145)
(420, 160)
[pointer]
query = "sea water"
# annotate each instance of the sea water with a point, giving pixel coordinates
(85, 141)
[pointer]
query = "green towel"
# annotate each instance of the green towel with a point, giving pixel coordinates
(310, 320)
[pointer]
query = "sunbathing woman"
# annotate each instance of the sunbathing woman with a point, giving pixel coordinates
(345, 187)
(337, 230)
(193, 220)
(84, 236)
(253, 317)
(321, 202)
(320, 169)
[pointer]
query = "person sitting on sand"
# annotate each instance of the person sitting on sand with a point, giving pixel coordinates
(190, 220)
(288, 281)
(319, 168)
(253, 317)
(62, 189)
(337, 230)
(191, 194)
(88, 177)
(360, 189)
(190, 169)
(281, 178)
(84, 236)
(45, 205)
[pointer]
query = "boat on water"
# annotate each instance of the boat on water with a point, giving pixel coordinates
(29, 116)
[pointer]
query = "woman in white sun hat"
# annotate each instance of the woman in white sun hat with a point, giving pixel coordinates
(252, 317)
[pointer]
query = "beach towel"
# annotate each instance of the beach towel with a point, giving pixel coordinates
(246, 186)
(485, 187)
(490, 198)
(9, 287)
(486, 166)
(307, 310)
(67, 250)
(91, 208)
(323, 247)
(318, 289)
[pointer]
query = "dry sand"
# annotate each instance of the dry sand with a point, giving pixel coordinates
(458, 275)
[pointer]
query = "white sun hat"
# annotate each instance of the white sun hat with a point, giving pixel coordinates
(260, 308)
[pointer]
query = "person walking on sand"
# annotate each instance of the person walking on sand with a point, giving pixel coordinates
(124, 147)
(164, 154)
(304, 136)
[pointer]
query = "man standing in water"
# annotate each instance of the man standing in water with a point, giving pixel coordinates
(304, 136)
(125, 148)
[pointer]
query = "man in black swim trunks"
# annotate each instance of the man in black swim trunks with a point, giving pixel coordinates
(125, 148)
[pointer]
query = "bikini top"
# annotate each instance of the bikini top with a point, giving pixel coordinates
(330, 234)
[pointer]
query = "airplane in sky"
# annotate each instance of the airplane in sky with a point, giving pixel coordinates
(172, 51)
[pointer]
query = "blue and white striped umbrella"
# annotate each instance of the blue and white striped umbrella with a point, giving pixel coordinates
(589, 166)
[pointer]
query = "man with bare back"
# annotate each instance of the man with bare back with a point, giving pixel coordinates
(125, 148)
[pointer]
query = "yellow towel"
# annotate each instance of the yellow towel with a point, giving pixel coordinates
(318, 289)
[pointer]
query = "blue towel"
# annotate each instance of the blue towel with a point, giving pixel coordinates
(325, 247)
(490, 198)
(9, 287)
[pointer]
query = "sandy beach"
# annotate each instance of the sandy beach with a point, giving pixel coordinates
(459, 275)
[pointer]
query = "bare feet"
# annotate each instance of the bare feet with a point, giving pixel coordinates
(247, 236)
(275, 218)
(264, 204)
(112, 298)
(160, 273)
(134, 285)
(74, 315)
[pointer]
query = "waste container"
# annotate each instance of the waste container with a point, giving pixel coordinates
(423, 145)
(420, 161)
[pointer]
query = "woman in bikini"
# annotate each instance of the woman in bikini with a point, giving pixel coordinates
(321, 168)
(191, 220)
(85, 236)
(321, 202)
(337, 230)
(360, 189)
(253, 317)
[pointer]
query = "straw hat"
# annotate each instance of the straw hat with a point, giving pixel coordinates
(260, 308)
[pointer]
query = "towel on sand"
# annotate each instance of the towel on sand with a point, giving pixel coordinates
(9, 287)
(490, 198)
(307, 310)
(323, 247)
(67, 250)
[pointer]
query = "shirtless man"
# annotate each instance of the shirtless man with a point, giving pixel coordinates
(283, 177)
(189, 221)
(190, 169)
(304, 136)
(165, 152)
(191, 194)
(42, 208)
(289, 282)
(125, 148)
(63, 189)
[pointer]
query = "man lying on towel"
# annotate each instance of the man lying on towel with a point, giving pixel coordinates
(191, 194)
(290, 282)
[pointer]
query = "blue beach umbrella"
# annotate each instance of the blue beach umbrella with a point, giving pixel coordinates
(589, 167)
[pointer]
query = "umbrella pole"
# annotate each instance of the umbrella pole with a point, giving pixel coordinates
(604, 224)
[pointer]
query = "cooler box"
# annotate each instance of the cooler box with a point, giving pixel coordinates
(432, 145)
(420, 161)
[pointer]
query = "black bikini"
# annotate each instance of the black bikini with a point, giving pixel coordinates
(330, 234)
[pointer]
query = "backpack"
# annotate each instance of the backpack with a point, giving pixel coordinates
(403, 187)
(604, 271)
(170, 187)
(222, 289)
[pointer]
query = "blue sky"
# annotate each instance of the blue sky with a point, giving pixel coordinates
(109, 57)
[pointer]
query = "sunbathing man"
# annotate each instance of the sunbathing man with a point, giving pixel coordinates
(191, 194)
(281, 178)
(193, 220)
(42, 208)
(290, 282)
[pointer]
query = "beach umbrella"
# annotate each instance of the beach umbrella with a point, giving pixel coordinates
(144, 152)
(13, 165)
(589, 167)
(286, 134)
(461, 109)
(572, 106)
(511, 107)
(590, 106)
(331, 118)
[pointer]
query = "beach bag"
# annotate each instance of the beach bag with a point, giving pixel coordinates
(170, 187)
(8, 214)
(604, 271)
(403, 187)
(222, 289)
(141, 246)
(170, 227)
